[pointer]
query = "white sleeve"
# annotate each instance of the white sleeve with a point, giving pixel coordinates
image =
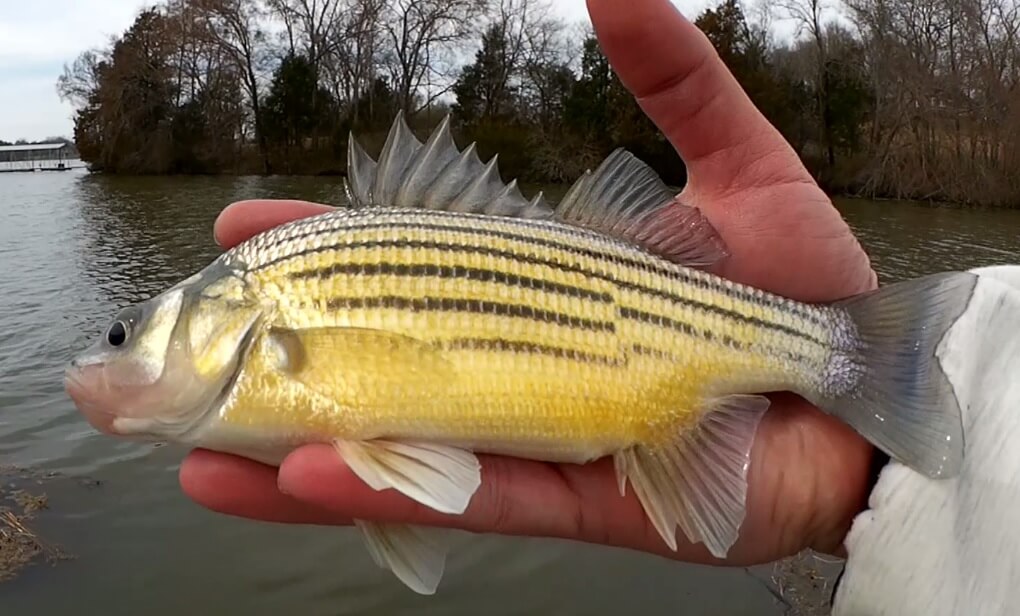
(953, 547)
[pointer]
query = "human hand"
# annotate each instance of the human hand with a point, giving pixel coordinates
(809, 472)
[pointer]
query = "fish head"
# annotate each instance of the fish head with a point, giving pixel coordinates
(163, 365)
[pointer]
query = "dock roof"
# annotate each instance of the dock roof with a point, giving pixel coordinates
(28, 147)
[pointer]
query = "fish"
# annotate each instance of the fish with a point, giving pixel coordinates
(440, 314)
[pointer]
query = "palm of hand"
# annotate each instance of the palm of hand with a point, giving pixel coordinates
(808, 475)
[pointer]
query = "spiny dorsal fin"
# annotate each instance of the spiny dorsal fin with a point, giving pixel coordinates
(625, 198)
(360, 171)
(395, 160)
(434, 175)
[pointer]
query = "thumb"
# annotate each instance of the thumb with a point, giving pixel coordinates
(684, 87)
(243, 219)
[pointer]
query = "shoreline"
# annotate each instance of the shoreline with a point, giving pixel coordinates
(21, 502)
(528, 184)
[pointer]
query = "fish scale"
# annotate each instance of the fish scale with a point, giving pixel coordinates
(464, 316)
(568, 333)
(716, 295)
(443, 315)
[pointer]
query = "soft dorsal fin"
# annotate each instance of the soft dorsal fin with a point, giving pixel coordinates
(623, 197)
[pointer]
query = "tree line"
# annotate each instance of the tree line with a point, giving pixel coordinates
(881, 98)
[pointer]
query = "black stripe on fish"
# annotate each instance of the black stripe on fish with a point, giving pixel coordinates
(691, 278)
(450, 304)
(523, 346)
(565, 267)
(704, 334)
(452, 271)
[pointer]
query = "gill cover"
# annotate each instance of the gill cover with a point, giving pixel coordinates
(218, 322)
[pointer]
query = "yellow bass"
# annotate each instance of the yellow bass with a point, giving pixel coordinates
(443, 314)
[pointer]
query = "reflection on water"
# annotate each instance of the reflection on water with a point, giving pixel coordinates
(906, 241)
(138, 235)
(76, 248)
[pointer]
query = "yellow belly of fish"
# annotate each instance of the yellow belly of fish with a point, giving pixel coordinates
(523, 404)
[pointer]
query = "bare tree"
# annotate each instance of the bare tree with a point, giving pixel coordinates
(945, 76)
(317, 24)
(809, 16)
(423, 34)
(545, 64)
(80, 80)
(526, 34)
(353, 65)
(234, 26)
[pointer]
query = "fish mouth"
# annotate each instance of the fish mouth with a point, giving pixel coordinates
(80, 384)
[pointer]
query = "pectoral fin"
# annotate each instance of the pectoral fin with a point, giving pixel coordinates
(699, 482)
(318, 354)
(415, 554)
(347, 363)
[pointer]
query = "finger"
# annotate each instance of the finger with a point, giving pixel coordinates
(240, 487)
(315, 474)
(517, 497)
(243, 219)
(792, 243)
(808, 481)
(692, 97)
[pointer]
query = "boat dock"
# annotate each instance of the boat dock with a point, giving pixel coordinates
(36, 157)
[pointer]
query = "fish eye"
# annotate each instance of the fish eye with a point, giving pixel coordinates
(117, 333)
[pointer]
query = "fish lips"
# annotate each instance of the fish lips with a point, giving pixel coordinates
(85, 385)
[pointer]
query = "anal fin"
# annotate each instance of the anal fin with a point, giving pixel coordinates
(415, 554)
(699, 481)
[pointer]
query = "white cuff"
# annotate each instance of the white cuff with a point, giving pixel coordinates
(952, 547)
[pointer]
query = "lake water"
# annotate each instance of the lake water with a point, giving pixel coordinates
(74, 248)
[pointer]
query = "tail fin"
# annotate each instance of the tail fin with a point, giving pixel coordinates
(896, 394)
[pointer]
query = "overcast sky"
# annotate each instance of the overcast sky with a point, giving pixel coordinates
(38, 37)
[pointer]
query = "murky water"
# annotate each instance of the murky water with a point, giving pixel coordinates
(74, 248)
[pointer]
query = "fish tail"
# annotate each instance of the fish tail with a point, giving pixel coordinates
(885, 379)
